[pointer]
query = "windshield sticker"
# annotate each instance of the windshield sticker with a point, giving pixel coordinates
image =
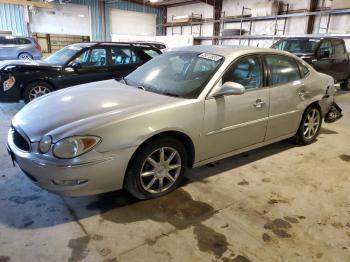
(210, 57)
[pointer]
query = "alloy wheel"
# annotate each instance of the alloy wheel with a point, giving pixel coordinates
(312, 124)
(160, 170)
(25, 57)
(38, 91)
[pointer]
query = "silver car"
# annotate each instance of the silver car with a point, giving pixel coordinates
(182, 109)
(21, 48)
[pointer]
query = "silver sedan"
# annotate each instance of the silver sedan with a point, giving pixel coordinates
(182, 109)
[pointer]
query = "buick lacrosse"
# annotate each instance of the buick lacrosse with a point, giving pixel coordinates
(182, 109)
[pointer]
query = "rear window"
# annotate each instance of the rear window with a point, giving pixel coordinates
(151, 52)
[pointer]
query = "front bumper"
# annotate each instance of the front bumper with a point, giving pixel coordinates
(92, 177)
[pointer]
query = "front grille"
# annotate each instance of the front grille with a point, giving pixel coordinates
(19, 141)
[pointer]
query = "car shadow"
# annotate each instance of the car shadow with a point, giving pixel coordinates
(27, 206)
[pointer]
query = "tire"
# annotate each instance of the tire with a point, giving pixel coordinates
(310, 126)
(25, 56)
(345, 85)
(148, 185)
(35, 90)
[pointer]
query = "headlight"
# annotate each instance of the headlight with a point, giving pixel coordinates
(45, 144)
(9, 83)
(74, 146)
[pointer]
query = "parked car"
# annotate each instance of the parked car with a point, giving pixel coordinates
(326, 55)
(22, 48)
(73, 65)
(182, 109)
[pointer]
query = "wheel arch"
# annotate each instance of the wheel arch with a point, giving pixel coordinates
(183, 138)
(24, 86)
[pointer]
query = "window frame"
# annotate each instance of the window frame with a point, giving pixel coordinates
(334, 43)
(240, 58)
(132, 48)
(89, 49)
(269, 71)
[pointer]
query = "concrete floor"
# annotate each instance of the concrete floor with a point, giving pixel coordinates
(279, 203)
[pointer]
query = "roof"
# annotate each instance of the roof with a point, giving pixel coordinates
(226, 51)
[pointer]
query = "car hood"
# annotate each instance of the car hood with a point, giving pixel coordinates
(11, 65)
(79, 109)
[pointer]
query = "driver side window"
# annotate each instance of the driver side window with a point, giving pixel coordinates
(326, 46)
(93, 58)
(247, 72)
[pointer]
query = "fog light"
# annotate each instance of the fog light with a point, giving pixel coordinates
(69, 182)
(45, 144)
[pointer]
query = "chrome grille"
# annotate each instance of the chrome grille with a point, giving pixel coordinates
(19, 140)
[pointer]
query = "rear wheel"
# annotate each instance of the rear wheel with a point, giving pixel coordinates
(25, 56)
(310, 126)
(35, 90)
(156, 169)
(345, 85)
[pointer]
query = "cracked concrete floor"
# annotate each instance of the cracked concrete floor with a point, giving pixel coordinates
(278, 203)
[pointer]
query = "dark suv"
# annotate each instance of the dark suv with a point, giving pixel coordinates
(326, 55)
(73, 65)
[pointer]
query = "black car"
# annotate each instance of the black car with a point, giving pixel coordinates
(327, 55)
(73, 65)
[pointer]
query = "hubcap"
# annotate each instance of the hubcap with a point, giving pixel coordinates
(160, 170)
(38, 91)
(311, 124)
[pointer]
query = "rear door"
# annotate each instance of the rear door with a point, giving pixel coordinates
(288, 95)
(340, 66)
(124, 60)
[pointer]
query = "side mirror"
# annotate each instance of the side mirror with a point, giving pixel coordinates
(75, 65)
(229, 88)
(324, 53)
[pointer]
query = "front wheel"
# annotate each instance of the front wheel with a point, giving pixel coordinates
(156, 169)
(35, 90)
(345, 85)
(310, 126)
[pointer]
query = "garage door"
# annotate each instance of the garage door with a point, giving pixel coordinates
(128, 23)
(68, 19)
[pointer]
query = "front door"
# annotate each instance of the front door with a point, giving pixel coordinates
(94, 67)
(236, 121)
(324, 59)
(340, 60)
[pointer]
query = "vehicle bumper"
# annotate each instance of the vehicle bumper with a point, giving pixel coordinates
(86, 178)
(334, 114)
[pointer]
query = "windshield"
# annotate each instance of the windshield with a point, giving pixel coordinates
(182, 74)
(62, 56)
(298, 45)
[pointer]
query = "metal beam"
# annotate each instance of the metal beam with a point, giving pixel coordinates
(311, 19)
(28, 3)
(217, 10)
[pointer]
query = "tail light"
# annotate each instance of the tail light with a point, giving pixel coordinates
(38, 47)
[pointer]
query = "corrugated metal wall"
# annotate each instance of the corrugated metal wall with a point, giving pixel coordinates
(129, 6)
(96, 21)
(12, 16)
(12, 19)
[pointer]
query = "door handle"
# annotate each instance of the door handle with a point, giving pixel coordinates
(259, 103)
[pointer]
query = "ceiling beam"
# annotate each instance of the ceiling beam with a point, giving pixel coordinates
(27, 3)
